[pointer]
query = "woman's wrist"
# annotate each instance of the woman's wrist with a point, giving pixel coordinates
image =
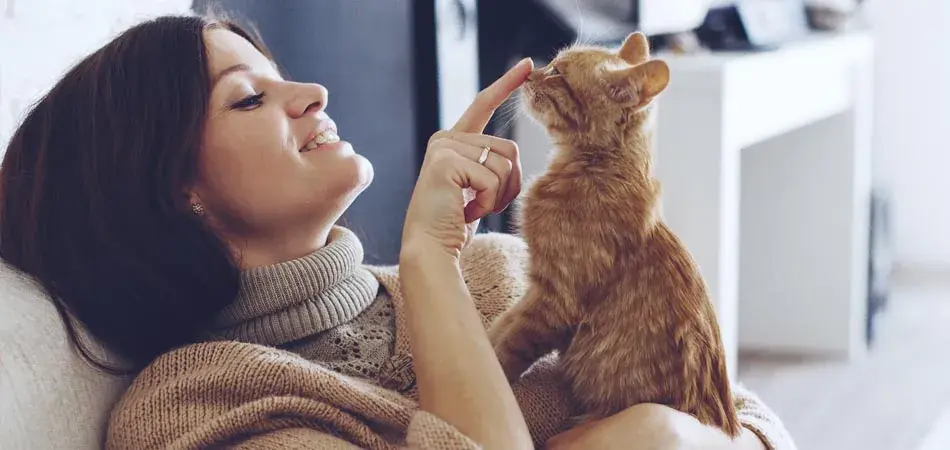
(419, 249)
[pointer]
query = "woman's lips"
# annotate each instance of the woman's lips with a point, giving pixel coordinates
(324, 133)
(325, 137)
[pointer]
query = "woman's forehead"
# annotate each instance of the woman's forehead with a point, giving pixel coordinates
(227, 49)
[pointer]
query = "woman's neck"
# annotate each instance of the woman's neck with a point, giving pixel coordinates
(267, 249)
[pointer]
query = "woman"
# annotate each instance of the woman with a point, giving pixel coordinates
(178, 197)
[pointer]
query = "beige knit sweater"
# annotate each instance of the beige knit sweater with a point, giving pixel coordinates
(245, 395)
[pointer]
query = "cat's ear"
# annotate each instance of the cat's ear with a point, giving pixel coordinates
(637, 85)
(635, 49)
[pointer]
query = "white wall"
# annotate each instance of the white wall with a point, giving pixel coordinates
(912, 124)
(41, 39)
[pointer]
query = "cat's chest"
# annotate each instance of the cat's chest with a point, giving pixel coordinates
(582, 213)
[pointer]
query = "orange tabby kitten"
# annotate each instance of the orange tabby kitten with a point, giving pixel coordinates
(612, 288)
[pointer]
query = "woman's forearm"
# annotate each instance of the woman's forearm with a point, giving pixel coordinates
(457, 373)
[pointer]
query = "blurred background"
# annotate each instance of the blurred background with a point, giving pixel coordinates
(801, 146)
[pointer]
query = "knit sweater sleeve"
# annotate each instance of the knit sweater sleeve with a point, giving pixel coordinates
(251, 396)
(757, 417)
(426, 432)
(294, 439)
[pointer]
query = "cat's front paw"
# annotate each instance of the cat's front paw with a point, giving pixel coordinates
(512, 366)
(500, 331)
(501, 337)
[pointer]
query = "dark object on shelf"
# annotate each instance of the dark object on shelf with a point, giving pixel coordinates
(753, 25)
(827, 18)
(682, 43)
(880, 263)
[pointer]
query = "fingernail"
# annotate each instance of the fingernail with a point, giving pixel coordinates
(528, 61)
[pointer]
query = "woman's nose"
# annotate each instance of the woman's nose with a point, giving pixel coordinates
(310, 99)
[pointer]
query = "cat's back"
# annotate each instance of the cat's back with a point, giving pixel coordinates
(638, 329)
(675, 267)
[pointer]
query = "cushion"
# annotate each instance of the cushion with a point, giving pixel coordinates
(49, 397)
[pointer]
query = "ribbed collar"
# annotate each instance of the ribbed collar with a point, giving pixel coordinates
(294, 299)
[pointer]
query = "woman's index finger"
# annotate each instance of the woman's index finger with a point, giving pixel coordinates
(476, 117)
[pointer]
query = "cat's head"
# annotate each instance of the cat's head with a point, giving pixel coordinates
(587, 90)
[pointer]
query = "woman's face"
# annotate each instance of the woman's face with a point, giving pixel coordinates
(273, 176)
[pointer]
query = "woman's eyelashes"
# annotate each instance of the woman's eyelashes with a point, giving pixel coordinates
(249, 102)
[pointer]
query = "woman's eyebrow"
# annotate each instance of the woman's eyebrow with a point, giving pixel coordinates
(235, 68)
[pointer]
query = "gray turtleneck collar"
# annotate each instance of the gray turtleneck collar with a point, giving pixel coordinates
(295, 299)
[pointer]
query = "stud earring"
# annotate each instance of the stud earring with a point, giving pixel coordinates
(197, 209)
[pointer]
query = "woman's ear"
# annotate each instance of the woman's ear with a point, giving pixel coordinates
(638, 85)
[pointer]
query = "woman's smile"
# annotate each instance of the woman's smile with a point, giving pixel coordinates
(324, 133)
(335, 146)
(320, 139)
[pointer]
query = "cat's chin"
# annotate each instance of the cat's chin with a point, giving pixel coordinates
(531, 107)
(535, 110)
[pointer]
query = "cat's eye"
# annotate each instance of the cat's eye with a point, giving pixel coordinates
(553, 71)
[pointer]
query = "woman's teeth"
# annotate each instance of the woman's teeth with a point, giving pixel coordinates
(325, 137)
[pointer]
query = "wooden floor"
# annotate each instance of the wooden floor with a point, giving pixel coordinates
(892, 400)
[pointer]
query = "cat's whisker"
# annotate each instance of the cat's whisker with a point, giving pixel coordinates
(511, 105)
(506, 116)
(506, 126)
(580, 17)
(513, 102)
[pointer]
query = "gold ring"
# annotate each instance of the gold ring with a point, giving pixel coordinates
(484, 156)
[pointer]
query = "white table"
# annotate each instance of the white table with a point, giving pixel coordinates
(764, 159)
(786, 135)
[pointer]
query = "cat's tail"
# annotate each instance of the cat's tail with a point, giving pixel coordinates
(709, 397)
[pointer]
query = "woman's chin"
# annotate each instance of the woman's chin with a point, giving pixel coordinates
(365, 172)
(354, 175)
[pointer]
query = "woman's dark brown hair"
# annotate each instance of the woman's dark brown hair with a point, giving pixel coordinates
(93, 193)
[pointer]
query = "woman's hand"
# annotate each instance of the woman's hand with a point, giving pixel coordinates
(470, 393)
(438, 213)
(650, 426)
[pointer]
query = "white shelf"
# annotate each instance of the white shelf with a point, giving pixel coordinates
(764, 159)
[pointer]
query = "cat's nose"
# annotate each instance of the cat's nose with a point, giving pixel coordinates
(535, 74)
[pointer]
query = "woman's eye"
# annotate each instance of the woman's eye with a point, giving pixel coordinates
(248, 102)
